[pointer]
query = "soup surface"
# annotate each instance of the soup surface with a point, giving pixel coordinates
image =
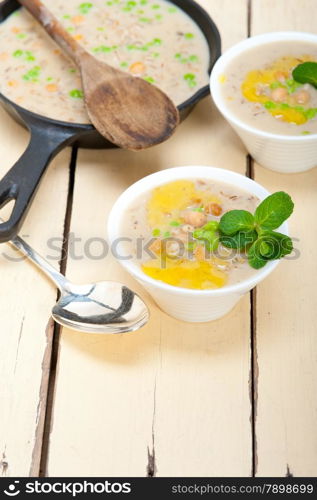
(170, 234)
(259, 89)
(151, 39)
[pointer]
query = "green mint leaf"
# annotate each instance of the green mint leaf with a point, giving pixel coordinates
(270, 246)
(306, 73)
(236, 220)
(274, 245)
(274, 210)
(256, 260)
(241, 240)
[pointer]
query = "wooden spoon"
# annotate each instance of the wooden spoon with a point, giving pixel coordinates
(127, 110)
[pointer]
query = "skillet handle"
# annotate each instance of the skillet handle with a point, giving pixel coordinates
(21, 182)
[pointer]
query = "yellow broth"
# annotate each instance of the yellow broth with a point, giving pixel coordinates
(259, 89)
(161, 225)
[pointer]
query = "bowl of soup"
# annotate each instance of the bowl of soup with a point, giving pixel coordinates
(253, 86)
(160, 230)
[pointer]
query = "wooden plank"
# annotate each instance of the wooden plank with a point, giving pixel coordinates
(25, 303)
(287, 305)
(172, 399)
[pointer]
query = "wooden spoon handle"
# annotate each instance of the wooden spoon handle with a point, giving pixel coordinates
(55, 29)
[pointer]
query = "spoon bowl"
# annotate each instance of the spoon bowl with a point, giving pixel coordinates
(102, 307)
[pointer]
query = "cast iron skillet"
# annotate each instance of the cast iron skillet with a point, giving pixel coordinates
(49, 136)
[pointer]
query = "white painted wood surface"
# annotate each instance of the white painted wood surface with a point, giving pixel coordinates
(287, 304)
(25, 302)
(172, 399)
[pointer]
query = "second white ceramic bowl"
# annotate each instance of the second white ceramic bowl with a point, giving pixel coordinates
(182, 303)
(282, 153)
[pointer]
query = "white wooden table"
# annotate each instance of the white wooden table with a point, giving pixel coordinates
(236, 397)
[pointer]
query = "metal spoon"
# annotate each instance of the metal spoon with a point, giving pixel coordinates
(103, 307)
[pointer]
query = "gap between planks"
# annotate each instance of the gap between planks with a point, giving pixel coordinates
(254, 368)
(41, 447)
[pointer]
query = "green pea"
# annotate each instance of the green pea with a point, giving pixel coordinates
(124, 64)
(76, 94)
(21, 36)
(270, 105)
(191, 246)
(175, 223)
(276, 85)
(292, 85)
(157, 41)
(156, 232)
(102, 48)
(189, 77)
(156, 6)
(149, 79)
(32, 74)
(85, 7)
(189, 36)
(18, 53)
(29, 56)
(212, 225)
(167, 234)
(172, 10)
(310, 113)
(144, 19)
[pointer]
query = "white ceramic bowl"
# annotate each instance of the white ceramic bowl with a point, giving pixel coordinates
(182, 303)
(283, 153)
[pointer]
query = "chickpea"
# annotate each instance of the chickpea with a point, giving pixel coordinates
(280, 76)
(137, 68)
(279, 94)
(213, 209)
(196, 219)
(172, 248)
(302, 97)
(156, 246)
(199, 252)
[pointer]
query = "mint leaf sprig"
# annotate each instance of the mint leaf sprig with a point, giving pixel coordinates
(255, 234)
(306, 73)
